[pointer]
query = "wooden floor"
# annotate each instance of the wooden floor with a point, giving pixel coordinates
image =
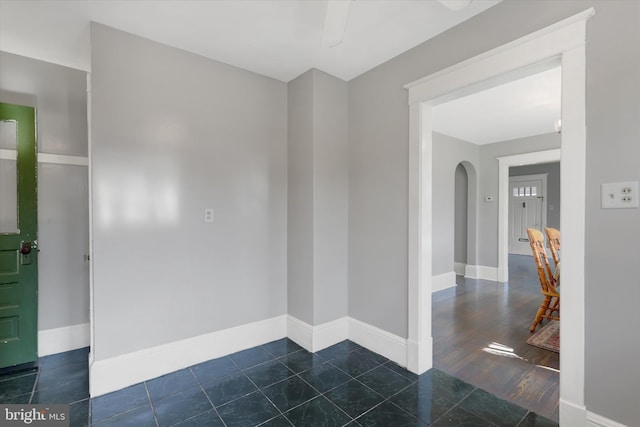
(480, 329)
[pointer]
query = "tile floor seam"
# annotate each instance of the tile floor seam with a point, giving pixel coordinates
(89, 412)
(388, 400)
(153, 409)
(117, 415)
(211, 402)
(491, 423)
(523, 418)
(266, 397)
(35, 385)
(483, 416)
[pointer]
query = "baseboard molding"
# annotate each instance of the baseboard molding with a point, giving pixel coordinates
(443, 281)
(379, 341)
(300, 332)
(132, 368)
(52, 341)
(459, 268)
(481, 272)
(315, 338)
(122, 371)
(595, 420)
(572, 414)
(420, 356)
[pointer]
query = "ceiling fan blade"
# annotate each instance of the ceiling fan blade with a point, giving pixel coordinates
(455, 5)
(335, 22)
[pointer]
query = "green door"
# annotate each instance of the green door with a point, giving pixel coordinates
(18, 236)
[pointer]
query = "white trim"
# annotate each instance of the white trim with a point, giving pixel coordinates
(90, 209)
(6, 154)
(534, 47)
(459, 268)
(379, 341)
(481, 272)
(565, 41)
(420, 224)
(315, 338)
(300, 332)
(595, 420)
(58, 159)
(57, 340)
(443, 281)
(330, 333)
(122, 371)
(504, 163)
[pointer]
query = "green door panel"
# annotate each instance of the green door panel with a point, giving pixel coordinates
(18, 243)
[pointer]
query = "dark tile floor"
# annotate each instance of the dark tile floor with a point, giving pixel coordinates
(59, 378)
(276, 384)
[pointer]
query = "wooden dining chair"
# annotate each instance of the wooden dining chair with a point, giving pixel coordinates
(554, 243)
(551, 301)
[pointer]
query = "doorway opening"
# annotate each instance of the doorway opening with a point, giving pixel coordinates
(563, 41)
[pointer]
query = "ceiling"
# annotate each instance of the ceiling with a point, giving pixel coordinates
(525, 107)
(277, 38)
(284, 38)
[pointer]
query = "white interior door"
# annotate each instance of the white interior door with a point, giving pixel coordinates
(527, 209)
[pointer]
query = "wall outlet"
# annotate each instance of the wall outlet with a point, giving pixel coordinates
(620, 195)
(208, 215)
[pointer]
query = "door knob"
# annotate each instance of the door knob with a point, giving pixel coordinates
(25, 247)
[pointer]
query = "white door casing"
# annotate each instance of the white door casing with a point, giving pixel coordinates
(563, 41)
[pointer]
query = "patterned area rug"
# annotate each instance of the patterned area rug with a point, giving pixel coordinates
(548, 337)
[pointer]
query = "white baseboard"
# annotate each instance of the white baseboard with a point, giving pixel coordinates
(420, 356)
(481, 272)
(443, 281)
(330, 333)
(122, 371)
(52, 341)
(595, 420)
(459, 268)
(300, 332)
(379, 341)
(315, 338)
(572, 414)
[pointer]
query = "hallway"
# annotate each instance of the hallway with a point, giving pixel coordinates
(480, 330)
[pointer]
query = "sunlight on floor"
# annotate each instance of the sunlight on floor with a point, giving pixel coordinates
(548, 368)
(501, 350)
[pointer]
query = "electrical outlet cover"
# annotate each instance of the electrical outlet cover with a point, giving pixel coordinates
(620, 195)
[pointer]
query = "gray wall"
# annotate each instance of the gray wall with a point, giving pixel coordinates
(330, 197)
(300, 198)
(317, 198)
(172, 134)
(450, 152)
(378, 174)
(553, 187)
(59, 95)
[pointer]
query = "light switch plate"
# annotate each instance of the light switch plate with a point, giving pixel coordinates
(620, 195)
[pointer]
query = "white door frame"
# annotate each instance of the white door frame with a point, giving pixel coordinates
(504, 163)
(543, 205)
(563, 42)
